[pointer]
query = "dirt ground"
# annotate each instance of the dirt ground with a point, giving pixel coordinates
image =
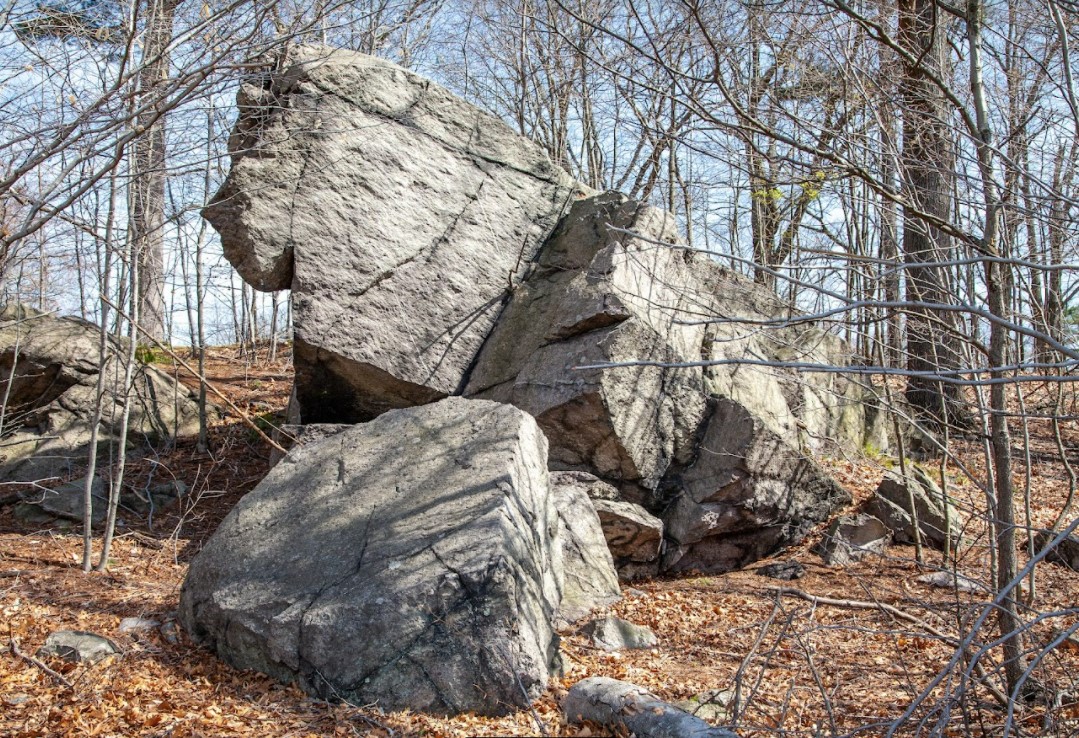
(841, 651)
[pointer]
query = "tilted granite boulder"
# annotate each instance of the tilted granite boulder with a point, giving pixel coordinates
(398, 215)
(590, 580)
(407, 562)
(50, 367)
(598, 295)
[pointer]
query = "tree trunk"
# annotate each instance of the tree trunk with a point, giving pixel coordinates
(928, 164)
(148, 174)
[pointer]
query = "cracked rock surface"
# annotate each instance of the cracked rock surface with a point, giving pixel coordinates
(406, 562)
(397, 213)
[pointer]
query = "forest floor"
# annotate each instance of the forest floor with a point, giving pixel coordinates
(798, 667)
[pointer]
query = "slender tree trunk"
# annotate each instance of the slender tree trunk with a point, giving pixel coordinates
(148, 173)
(928, 164)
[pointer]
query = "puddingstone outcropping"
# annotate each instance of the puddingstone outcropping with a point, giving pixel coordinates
(433, 252)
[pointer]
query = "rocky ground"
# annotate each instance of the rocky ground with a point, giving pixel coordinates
(834, 651)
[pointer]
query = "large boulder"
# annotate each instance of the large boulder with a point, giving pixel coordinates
(603, 344)
(51, 366)
(407, 562)
(398, 214)
(428, 255)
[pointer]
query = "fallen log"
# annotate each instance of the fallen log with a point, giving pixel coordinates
(634, 710)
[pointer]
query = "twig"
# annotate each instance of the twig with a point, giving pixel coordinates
(12, 573)
(1000, 696)
(232, 406)
(524, 692)
(14, 644)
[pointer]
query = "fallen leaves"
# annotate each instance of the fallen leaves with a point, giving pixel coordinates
(800, 664)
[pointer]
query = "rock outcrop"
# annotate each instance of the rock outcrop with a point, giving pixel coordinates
(933, 514)
(50, 368)
(398, 215)
(431, 252)
(408, 562)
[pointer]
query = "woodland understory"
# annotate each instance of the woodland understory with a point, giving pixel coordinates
(849, 650)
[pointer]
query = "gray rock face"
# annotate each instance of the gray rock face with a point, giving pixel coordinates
(53, 368)
(852, 538)
(599, 296)
(749, 492)
(404, 562)
(398, 214)
(634, 535)
(590, 577)
(291, 435)
(892, 504)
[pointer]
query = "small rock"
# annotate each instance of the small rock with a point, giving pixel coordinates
(782, 570)
(952, 580)
(134, 625)
(712, 705)
(616, 634)
(851, 538)
(78, 646)
(1066, 552)
(170, 631)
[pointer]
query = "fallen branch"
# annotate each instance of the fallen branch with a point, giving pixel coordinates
(952, 641)
(12, 573)
(632, 710)
(14, 645)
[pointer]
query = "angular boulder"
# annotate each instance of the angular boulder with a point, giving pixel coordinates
(750, 492)
(1065, 553)
(852, 538)
(50, 367)
(398, 214)
(633, 536)
(432, 252)
(590, 580)
(936, 516)
(603, 292)
(406, 562)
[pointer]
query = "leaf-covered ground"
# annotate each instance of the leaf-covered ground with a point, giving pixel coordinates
(834, 665)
